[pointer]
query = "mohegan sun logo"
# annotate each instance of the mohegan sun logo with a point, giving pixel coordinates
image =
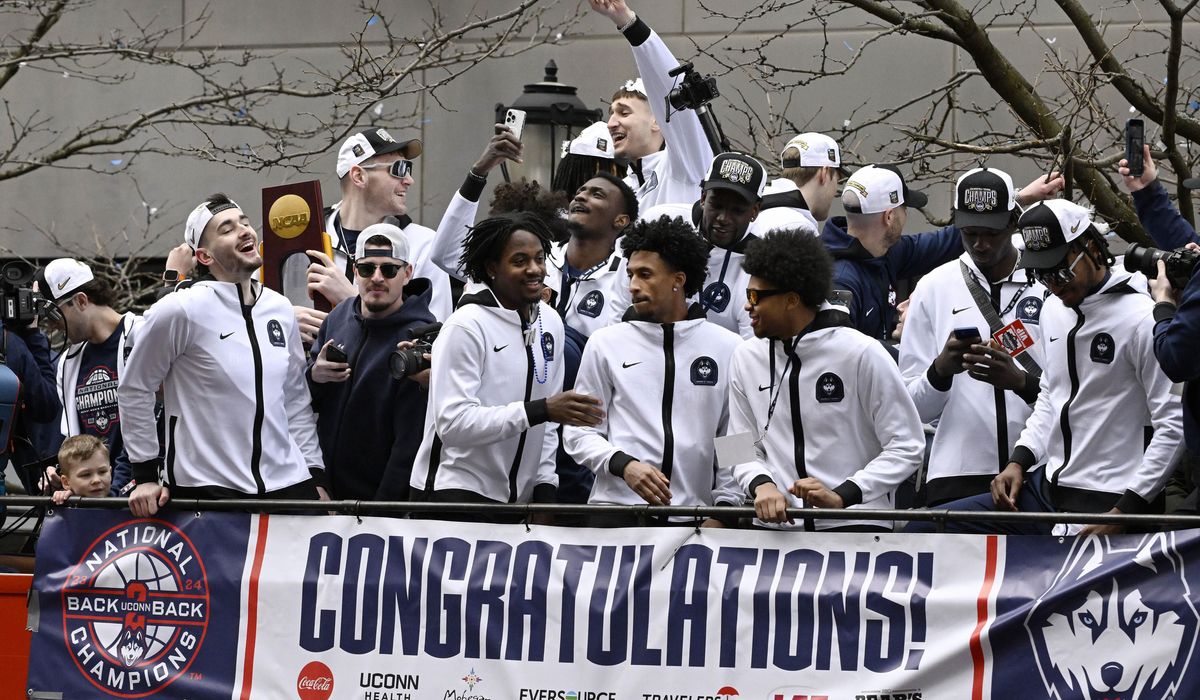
(135, 608)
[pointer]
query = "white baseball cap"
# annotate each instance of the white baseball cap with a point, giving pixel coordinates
(593, 141)
(398, 250)
(879, 188)
(370, 143)
(813, 150)
(62, 277)
(199, 218)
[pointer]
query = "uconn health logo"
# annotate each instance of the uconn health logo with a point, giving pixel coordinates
(135, 608)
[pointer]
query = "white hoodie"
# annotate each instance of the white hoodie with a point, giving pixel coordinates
(235, 400)
(858, 432)
(664, 388)
(487, 429)
(1101, 385)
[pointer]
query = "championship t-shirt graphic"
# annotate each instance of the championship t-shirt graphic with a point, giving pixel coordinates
(96, 401)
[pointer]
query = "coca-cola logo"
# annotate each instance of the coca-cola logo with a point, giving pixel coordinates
(315, 682)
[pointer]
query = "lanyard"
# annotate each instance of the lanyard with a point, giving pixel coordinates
(776, 391)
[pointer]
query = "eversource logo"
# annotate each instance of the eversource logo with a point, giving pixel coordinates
(547, 694)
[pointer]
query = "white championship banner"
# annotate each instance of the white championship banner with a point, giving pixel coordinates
(389, 609)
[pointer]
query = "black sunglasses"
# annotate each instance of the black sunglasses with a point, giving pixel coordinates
(367, 270)
(1059, 275)
(753, 296)
(397, 168)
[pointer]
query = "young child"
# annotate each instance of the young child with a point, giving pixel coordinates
(84, 468)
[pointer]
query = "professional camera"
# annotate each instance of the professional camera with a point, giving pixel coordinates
(1180, 263)
(694, 92)
(18, 302)
(405, 363)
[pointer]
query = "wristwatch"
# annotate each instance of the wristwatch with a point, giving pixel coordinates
(172, 276)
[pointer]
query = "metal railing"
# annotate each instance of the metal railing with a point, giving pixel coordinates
(396, 508)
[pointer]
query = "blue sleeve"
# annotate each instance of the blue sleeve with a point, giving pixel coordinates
(1176, 338)
(843, 280)
(315, 390)
(1161, 219)
(31, 363)
(918, 254)
(122, 470)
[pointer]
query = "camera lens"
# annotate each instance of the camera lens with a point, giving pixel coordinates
(1143, 259)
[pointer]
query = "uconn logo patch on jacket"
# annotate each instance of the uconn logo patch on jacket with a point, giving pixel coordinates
(1104, 349)
(591, 305)
(830, 388)
(1029, 309)
(275, 333)
(704, 371)
(715, 296)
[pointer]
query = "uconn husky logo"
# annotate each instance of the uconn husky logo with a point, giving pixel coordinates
(1117, 622)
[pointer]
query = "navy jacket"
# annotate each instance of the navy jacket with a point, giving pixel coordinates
(872, 280)
(28, 356)
(371, 425)
(1176, 332)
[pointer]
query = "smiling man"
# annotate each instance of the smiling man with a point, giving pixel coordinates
(375, 173)
(825, 405)
(979, 394)
(667, 150)
(369, 452)
(226, 352)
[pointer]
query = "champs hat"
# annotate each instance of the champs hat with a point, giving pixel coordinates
(593, 141)
(60, 278)
(398, 250)
(811, 150)
(199, 218)
(984, 198)
(371, 143)
(738, 172)
(1047, 231)
(880, 188)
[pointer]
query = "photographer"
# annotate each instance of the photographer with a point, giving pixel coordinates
(1177, 311)
(28, 401)
(370, 423)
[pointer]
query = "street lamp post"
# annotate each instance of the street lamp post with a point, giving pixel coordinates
(553, 114)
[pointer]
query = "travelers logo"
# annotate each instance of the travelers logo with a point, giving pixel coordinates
(136, 608)
(1117, 621)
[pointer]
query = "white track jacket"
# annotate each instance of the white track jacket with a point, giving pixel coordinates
(236, 404)
(841, 415)
(978, 424)
(487, 429)
(664, 388)
(1101, 386)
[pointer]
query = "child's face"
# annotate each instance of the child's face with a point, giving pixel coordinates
(91, 478)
